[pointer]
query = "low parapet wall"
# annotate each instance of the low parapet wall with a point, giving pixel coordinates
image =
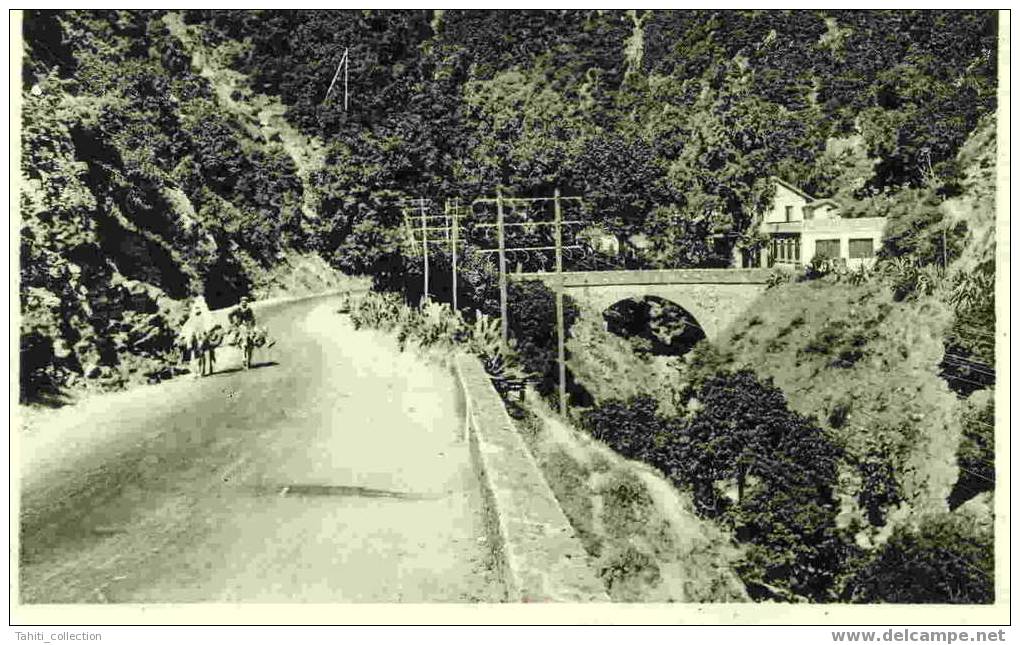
(540, 558)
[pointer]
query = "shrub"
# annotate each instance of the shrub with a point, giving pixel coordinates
(918, 228)
(859, 275)
(628, 427)
(783, 468)
(776, 278)
(628, 566)
(969, 361)
(948, 558)
(819, 267)
(376, 310)
(976, 453)
(436, 325)
(930, 280)
(879, 487)
(626, 504)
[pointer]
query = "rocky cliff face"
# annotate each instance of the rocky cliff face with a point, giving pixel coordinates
(143, 185)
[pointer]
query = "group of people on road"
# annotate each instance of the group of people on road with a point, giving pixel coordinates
(201, 335)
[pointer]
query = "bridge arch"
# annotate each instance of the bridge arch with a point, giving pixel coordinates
(668, 328)
(701, 306)
(714, 297)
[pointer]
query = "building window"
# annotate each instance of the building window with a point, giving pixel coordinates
(863, 248)
(827, 248)
(785, 248)
(789, 213)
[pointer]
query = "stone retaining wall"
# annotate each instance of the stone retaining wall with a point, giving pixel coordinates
(539, 556)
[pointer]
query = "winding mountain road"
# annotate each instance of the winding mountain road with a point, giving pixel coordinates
(332, 472)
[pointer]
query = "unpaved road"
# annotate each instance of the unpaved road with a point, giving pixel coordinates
(333, 472)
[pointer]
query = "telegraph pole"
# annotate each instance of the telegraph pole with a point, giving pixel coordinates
(344, 63)
(425, 244)
(561, 353)
(504, 323)
(944, 262)
(347, 64)
(453, 249)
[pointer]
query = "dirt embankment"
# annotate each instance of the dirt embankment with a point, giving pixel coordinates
(647, 543)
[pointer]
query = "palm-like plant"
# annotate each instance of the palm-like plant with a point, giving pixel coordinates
(859, 275)
(930, 279)
(970, 289)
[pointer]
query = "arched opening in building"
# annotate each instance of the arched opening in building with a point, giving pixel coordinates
(654, 325)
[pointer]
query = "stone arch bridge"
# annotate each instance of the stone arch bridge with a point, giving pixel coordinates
(714, 297)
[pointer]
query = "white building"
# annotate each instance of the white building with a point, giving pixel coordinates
(800, 227)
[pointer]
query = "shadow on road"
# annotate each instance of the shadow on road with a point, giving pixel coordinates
(255, 366)
(325, 490)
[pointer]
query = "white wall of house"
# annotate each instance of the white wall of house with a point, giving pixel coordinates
(824, 209)
(787, 206)
(852, 236)
(800, 227)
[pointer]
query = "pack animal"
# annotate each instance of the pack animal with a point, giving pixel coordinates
(198, 339)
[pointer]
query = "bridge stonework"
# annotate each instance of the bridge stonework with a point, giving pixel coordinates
(715, 297)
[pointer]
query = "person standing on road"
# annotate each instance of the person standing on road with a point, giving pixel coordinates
(194, 337)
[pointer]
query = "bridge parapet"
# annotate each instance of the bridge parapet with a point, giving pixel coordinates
(647, 277)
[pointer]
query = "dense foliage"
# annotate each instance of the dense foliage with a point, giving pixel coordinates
(946, 559)
(976, 454)
(764, 470)
(686, 110)
(140, 191)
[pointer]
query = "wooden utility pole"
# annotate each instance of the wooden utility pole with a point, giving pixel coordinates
(561, 353)
(504, 323)
(453, 250)
(344, 63)
(347, 64)
(425, 245)
(944, 262)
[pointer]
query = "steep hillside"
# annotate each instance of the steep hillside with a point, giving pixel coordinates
(843, 427)
(897, 366)
(976, 202)
(169, 155)
(145, 184)
(863, 366)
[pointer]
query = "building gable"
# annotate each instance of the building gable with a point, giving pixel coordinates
(787, 204)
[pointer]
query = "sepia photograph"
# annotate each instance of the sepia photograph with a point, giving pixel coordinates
(683, 309)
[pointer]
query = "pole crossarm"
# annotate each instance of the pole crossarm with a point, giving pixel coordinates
(433, 228)
(511, 249)
(492, 200)
(443, 241)
(573, 222)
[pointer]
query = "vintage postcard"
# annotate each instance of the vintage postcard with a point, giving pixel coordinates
(510, 316)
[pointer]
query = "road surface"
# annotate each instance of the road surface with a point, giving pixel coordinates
(332, 472)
